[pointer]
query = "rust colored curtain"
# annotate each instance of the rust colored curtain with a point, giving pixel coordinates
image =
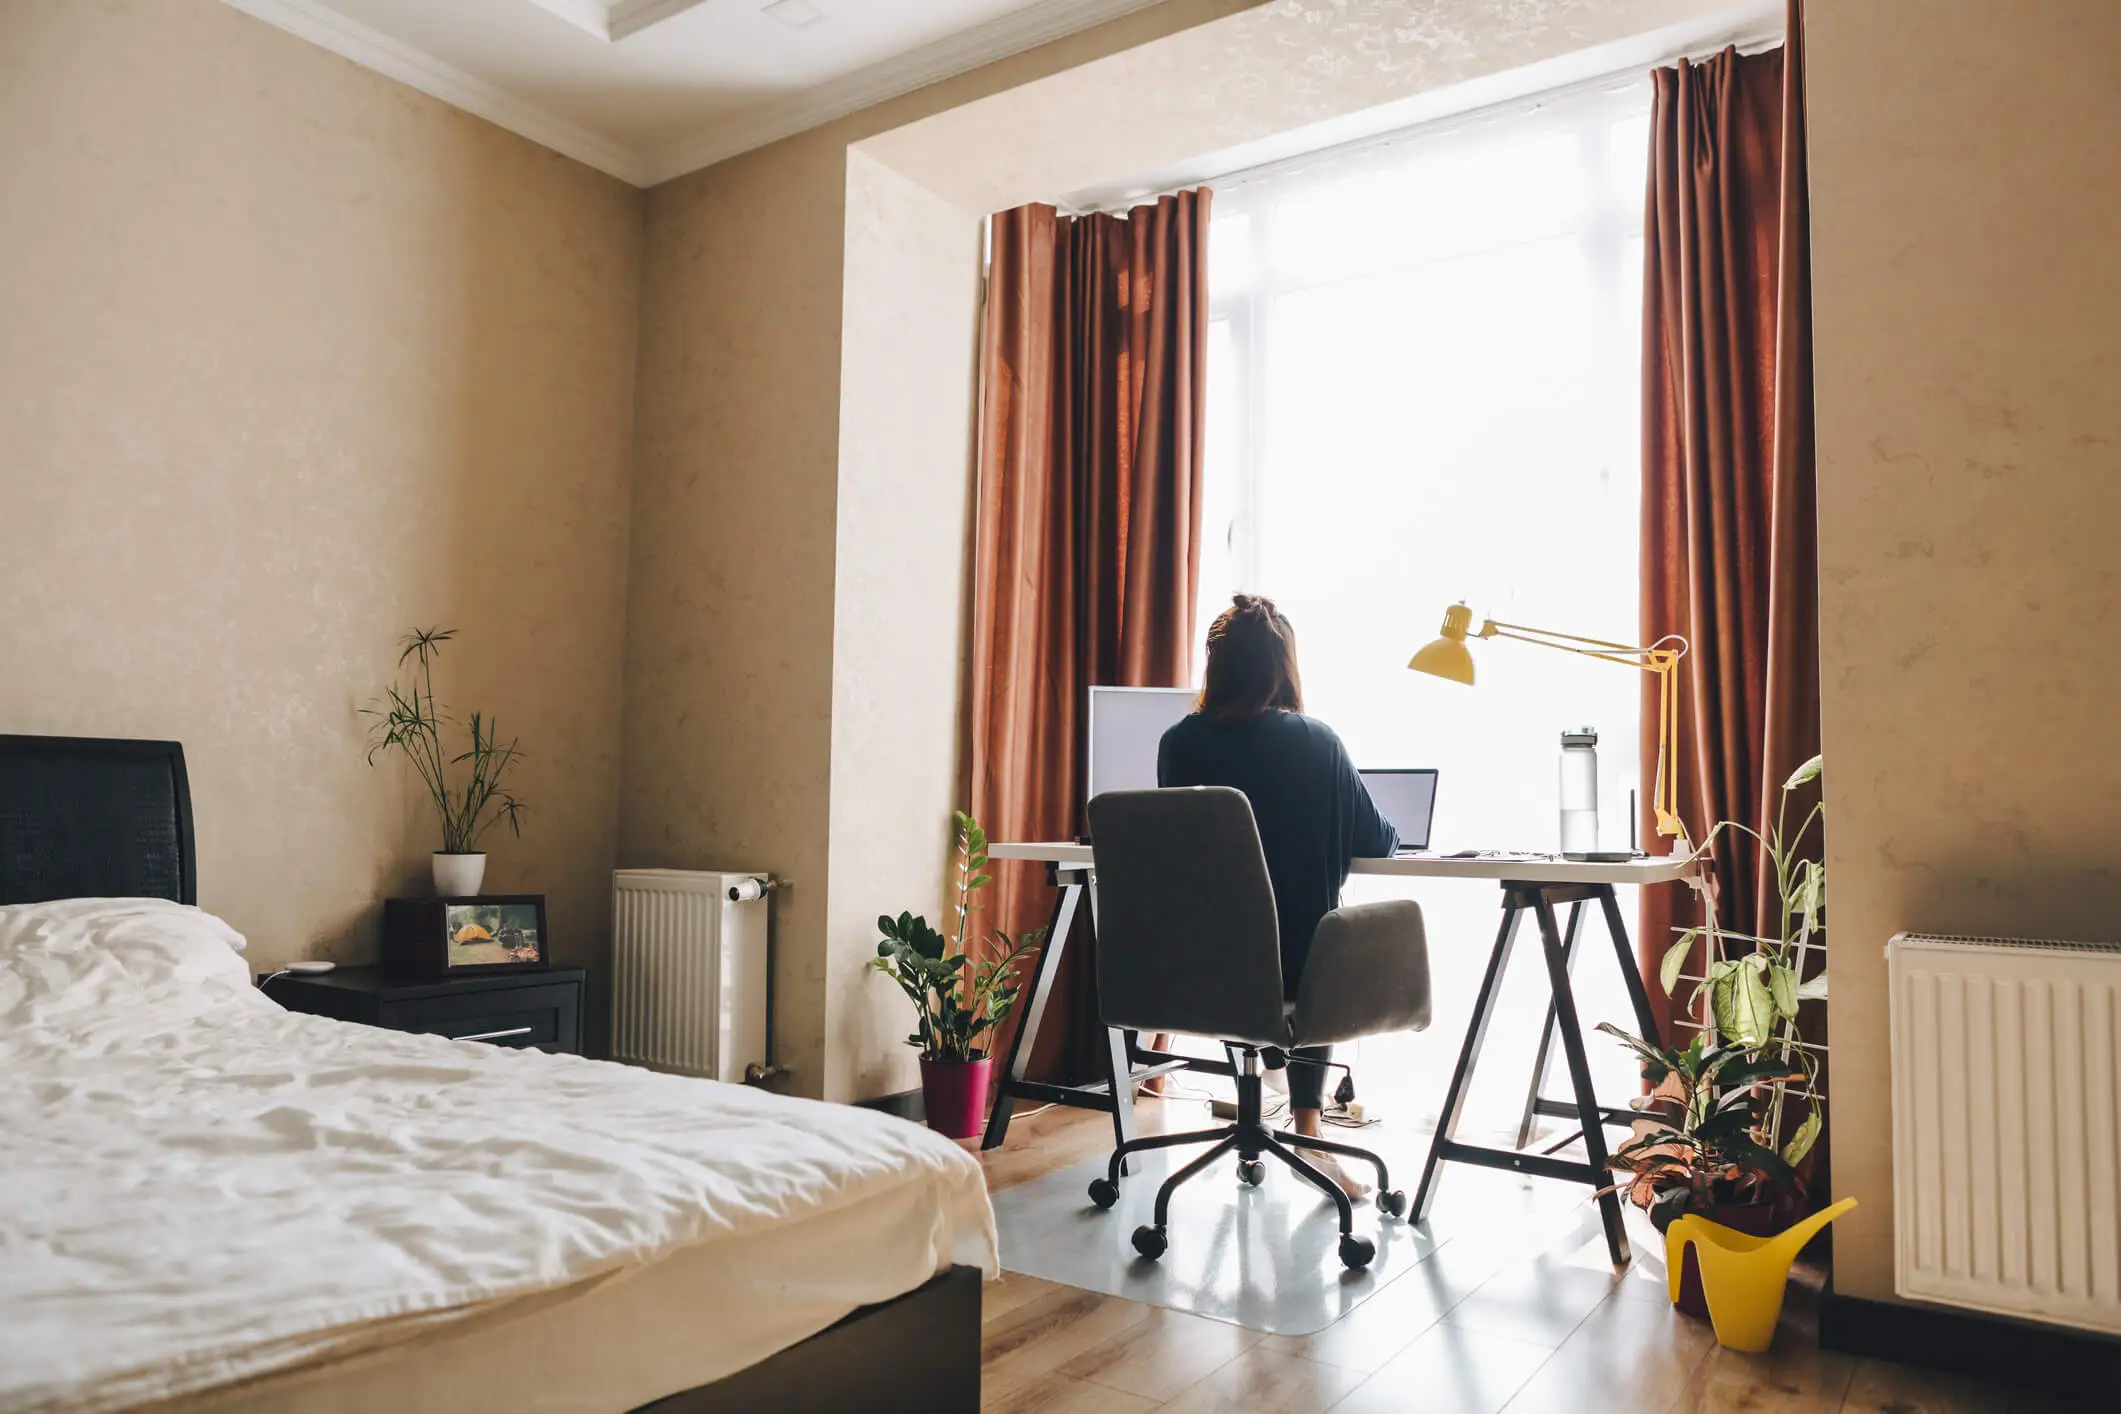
(1087, 555)
(1728, 516)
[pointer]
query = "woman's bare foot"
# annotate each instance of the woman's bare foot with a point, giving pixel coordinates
(1326, 1164)
(1306, 1123)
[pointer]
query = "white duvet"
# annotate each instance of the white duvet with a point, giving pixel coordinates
(197, 1187)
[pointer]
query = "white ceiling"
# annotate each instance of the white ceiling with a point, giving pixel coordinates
(650, 89)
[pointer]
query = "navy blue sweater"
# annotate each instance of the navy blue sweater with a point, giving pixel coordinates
(1313, 810)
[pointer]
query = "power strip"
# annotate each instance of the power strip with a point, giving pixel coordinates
(1354, 1112)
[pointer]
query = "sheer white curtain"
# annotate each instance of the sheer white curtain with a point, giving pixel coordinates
(1423, 388)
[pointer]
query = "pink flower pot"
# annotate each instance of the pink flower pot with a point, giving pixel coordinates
(954, 1093)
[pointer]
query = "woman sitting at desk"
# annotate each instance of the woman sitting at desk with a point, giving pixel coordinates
(1248, 731)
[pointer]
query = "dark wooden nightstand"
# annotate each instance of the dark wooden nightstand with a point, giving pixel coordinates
(541, 1009)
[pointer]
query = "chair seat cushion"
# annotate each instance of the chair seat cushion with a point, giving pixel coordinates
(1367, 975)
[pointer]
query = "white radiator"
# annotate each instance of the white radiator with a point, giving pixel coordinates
(689, 963)
(2006, 1111)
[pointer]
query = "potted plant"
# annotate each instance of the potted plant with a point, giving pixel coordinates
(412, 722)
(1733, 1115)
(1702, 1148)
(959, 1000)
(1752, 988)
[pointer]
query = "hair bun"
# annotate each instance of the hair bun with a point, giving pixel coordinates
(1251, 662)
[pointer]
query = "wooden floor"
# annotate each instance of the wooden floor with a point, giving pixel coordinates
(1552, 1330)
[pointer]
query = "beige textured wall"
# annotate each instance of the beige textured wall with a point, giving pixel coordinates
(293, 357)
(1966, 200)
(729, 611)
(907, 385)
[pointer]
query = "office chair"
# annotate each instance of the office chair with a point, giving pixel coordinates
(1187, 942)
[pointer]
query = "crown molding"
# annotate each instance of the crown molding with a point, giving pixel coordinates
(418, 69)
(961, 53)
(946, 58)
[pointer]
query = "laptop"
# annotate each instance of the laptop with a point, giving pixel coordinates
(1406, 797)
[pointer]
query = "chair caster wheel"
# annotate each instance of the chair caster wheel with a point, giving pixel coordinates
(1393, 1201)
(1104, 1192)
(1149, 1241)
(1355, 1252)
(1251, 1172)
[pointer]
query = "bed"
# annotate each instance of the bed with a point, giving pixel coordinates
(217, 1205)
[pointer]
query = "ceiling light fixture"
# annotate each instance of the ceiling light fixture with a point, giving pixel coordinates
(630, 17)
(613, 20)
(796, 14)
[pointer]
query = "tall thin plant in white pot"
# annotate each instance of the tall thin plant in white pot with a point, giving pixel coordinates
(411, 721)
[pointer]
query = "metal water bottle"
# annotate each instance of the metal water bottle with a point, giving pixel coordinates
(1579, 791)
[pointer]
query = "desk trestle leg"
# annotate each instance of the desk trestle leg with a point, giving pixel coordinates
(1536, 1103)
(1543, 1059)
(1011, 1078)
(1454, 1101)
(1124, 1063)
(1562, 1020)
(1616, 1233)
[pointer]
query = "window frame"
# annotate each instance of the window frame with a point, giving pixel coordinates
(1252, 196)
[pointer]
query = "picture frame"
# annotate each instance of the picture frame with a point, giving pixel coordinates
(483, 933)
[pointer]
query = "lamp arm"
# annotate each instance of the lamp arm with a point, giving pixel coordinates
(1654, 658)
(1551, 637)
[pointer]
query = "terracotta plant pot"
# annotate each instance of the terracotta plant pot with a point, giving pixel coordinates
(954, 1094)
(1752, 1219)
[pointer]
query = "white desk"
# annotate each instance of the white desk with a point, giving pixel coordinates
(1529, 868)
(1534, 884)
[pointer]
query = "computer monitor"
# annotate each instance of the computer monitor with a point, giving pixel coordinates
(1408, 799)
(1126, 726)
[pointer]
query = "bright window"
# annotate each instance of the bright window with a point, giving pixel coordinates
(1423, 365)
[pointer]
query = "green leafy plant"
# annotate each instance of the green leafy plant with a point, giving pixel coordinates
(1750, 991)
(410, 720)
(960, 999)
(1703, 1146)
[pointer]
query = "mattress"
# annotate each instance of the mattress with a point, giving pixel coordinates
(220, 1204)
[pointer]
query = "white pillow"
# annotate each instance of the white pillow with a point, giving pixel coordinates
(57, 958)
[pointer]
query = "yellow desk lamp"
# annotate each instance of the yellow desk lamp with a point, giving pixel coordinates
(1449, 657)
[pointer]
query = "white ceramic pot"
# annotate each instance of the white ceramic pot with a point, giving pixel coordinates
(458, 875)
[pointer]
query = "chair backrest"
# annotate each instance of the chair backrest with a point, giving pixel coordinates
(1186, 933)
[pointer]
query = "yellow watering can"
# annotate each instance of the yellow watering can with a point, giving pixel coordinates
(1741, 1275)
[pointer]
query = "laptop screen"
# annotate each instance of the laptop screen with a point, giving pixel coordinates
(1408, 799)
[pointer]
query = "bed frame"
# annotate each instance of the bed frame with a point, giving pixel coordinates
(83, 817)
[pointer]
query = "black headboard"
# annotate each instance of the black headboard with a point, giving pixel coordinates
(83, 818)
